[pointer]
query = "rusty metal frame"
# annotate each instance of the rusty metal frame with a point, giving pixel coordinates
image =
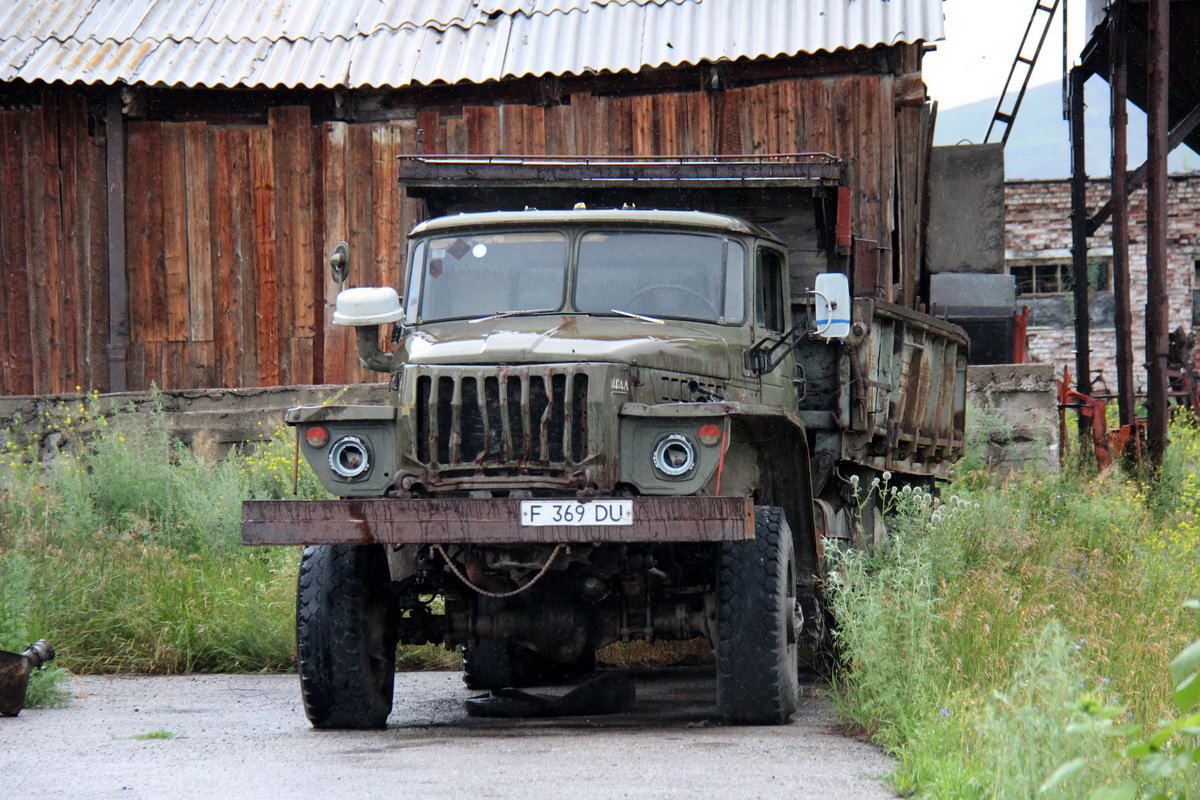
(1079, 242)
(492, 521)
(1137, 178)
(1156, 229)
(1119, 203)
(781, 169)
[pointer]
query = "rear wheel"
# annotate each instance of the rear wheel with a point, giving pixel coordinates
(346, 631)
(759, 623)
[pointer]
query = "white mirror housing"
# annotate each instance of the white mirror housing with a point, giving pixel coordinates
(367, 305)
(832, 312)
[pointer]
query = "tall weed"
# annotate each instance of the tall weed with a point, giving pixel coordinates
(123, 550)
(969, 640)
(45, 687)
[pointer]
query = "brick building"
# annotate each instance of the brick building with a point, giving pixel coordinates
(1037, 243)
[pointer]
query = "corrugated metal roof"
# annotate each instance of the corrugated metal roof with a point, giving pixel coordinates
(377, 43)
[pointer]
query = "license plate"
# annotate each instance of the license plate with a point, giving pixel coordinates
(570, 512)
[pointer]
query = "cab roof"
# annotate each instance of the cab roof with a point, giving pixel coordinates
(636, 217)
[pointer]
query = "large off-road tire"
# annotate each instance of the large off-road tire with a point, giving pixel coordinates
(346, 632)
(758, 625)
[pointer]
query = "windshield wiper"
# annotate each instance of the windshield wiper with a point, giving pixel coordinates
(642, 317)
(514, 313)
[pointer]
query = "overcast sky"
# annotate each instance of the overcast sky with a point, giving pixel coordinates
(982, 37)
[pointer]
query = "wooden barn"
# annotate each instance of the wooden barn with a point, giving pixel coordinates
(173, 172)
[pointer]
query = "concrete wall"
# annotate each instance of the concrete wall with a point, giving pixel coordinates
(210, 421)
(1015, 419)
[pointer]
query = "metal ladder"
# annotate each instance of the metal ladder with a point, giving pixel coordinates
(1026, 61)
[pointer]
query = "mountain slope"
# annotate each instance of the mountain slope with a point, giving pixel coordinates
(1039, 146)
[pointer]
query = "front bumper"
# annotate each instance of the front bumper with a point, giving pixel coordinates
(458, 520)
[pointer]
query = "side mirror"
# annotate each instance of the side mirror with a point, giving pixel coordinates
(367, 305)
(366, 308)
(832, 312)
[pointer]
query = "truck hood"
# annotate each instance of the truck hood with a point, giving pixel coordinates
(681, 347)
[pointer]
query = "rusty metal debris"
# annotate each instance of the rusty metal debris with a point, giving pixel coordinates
(1128, 440)
(15, 671)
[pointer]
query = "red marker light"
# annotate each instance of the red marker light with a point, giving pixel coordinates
(709, 434)
(316, 436)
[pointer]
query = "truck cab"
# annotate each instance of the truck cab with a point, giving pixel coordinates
(549, 351)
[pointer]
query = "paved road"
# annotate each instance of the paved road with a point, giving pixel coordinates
(245, 736)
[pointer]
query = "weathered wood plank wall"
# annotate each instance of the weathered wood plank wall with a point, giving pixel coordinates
(227, 226)
(221, 258)
(54, 298)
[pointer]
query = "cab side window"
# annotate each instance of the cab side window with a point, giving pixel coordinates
(769, 290)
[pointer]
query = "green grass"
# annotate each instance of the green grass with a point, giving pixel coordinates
(153, 735)
(123, 551)
(975, 641)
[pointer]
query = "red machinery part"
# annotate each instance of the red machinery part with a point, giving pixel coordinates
(1090, 409)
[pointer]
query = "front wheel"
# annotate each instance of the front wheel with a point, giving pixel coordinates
(759, 621)
(346, 632)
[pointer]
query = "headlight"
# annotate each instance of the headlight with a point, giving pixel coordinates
(349, 457)
(674, 455)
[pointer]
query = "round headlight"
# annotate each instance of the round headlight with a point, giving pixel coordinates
(349, 457)
(674, 455)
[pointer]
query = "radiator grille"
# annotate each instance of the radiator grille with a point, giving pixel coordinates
(513, 419)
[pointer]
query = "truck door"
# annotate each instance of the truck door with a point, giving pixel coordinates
(771, 315)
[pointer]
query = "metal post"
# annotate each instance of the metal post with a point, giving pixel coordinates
(118, 292)
(1120, 215)
(1156, 229)
(1079, 244)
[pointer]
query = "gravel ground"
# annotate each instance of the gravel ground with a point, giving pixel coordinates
(245, 736)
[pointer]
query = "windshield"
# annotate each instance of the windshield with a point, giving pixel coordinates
(679, 275)
(475, 276)
(482, 274)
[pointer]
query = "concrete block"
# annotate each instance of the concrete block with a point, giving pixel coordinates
(966, 209)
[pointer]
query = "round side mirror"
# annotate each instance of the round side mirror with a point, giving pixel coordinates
(367, 305)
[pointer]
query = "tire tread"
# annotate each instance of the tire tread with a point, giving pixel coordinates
(337, 586)
(753, 681)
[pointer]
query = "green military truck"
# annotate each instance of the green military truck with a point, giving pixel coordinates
(608, 423)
